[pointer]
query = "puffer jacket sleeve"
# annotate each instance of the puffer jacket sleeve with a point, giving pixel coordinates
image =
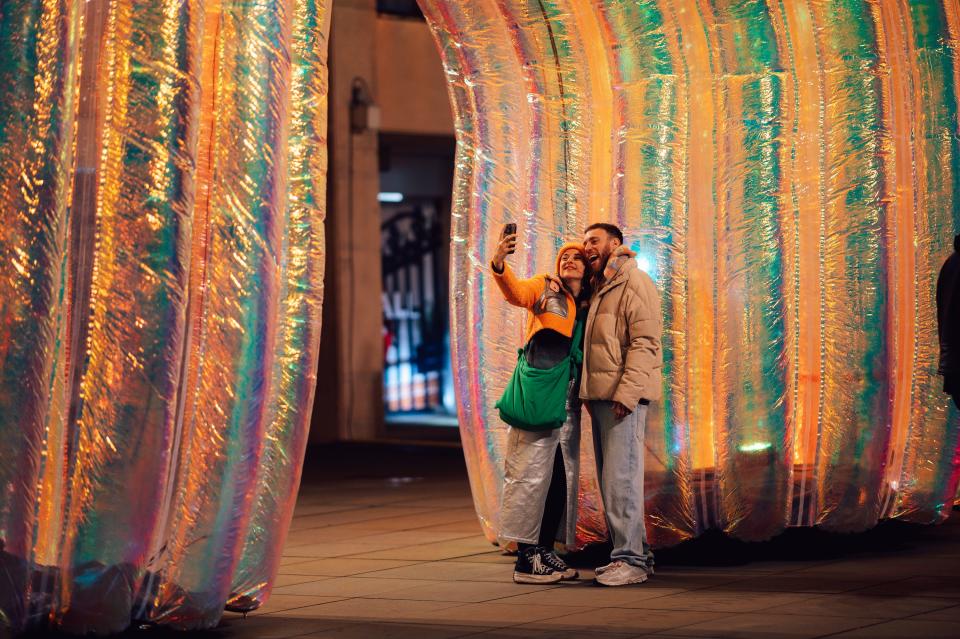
(644, 326)
(523, 293)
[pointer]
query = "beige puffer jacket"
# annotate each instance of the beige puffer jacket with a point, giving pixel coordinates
(622, 357)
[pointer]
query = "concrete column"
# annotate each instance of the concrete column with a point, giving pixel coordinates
(349, 404)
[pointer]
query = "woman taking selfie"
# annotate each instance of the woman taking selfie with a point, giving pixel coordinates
(541, 404)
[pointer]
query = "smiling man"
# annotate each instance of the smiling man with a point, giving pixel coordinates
(621, 376)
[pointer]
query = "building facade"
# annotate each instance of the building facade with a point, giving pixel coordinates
(390, 121)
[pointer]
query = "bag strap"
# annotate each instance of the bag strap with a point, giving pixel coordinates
(577, 334)
(578, 327)
(574, 347)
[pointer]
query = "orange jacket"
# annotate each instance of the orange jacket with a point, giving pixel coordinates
(546, 308)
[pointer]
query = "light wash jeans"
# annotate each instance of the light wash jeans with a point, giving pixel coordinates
(619, 450)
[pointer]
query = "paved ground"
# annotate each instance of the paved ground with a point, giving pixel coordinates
(385, 543)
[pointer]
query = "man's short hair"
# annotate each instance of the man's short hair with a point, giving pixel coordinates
(613, 231)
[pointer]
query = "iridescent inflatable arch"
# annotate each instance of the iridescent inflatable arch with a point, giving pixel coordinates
(789, 173)
(162, 170)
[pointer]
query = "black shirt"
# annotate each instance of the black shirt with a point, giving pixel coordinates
(547, 348)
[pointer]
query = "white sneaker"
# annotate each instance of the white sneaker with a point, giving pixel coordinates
(603, 569)
(621, 574)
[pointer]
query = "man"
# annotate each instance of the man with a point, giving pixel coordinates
(621, 376)
(948, 322)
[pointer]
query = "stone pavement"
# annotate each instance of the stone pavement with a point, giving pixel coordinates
(385, 543)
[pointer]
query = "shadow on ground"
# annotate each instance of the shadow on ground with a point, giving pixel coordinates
(715, 549)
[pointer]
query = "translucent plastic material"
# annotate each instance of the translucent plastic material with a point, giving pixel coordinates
(162, 186)
(788, 174)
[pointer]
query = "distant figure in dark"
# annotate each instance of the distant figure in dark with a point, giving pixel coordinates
(948, 319)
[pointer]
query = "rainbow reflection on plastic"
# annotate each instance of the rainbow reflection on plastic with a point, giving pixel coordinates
(789, 173)
(162, 181)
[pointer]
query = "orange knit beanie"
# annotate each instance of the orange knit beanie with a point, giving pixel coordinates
(575, 246)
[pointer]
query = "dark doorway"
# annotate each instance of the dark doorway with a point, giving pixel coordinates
(401, 8)
(416, 178)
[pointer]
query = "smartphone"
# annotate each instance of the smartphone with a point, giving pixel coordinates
(510, 228)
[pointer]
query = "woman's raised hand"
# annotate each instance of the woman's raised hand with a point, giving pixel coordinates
(507, 245)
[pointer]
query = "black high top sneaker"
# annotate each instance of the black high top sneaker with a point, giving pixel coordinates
(552, 559)
(532, 569)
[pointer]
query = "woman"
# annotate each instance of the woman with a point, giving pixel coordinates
(541, 475)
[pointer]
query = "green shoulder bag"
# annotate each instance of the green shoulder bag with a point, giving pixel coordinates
(536, 398)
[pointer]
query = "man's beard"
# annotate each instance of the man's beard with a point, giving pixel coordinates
(597, 276)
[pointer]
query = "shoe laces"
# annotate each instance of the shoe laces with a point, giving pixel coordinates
(553, 560)
(539, 568)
